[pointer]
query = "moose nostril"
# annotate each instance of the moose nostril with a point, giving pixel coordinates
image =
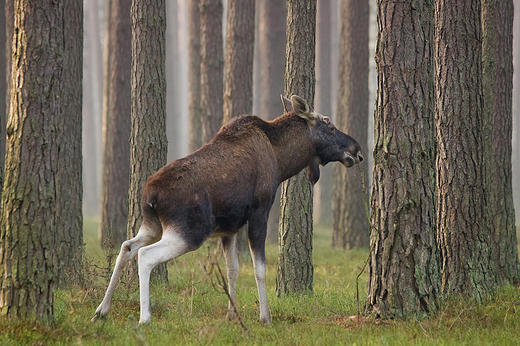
(360, 158)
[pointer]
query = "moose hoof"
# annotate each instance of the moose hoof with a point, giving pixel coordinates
(266, 320)
(231, 315)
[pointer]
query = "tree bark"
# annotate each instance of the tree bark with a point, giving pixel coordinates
(194, 77)
(211, 68)
(69, 180)
(404, 260)
(238, 79)
(464, 233)
(28, 226)
(272, 57)
(148, 141)
(173, 110)
(9, 30)
(350, 224)
(116, 149)
(3, 90)
(295, 270)
(516, 109)
(323, 102)
(497, 72)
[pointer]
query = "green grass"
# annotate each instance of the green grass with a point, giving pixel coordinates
(189, 311)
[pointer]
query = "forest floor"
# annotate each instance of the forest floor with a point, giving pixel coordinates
(190, 311)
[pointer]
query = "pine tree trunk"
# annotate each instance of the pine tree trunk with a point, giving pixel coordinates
(497, 72)
(350, 225)
(238, 79)
(194, 56)
(464, 233)
(69, 182)
(323, 102)
(295, 270)
(516, 109)
(211, 68)
(28, 230)
(174, 130)
(148, 143)
(404, 261)
(92, 101)
(9, 29)
(272, 57)
(116, 149)
(3, 90)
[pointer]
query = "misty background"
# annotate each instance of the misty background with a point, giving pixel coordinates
(95, 43)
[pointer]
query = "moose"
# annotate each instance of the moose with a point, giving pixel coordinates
(217, 189)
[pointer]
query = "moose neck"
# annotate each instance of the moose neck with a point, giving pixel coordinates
(292, 145)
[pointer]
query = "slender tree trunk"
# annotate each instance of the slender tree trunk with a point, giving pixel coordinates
(116, 153)
(92, 111)
(464, 233)
(295, 270)
(148, 141)
(211, 67)
(28, 226)
(404, 262)
(238, 79)
(350, 225)
(69, 188)
(271, 25)
(173, 110)
(323, 103)
(497, 72)
(194, 77)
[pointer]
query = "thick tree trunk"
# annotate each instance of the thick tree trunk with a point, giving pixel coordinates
(272, 56)
(295, 270)
(323, 103)
(350, 225)
(404, 260)
(3, 90)
(148, 141)
(464, 233)
(516, 109)
(69, 188)
(497, 72)
(238, 79)
(28, 230)
(211, 67)
(194, 56)
(116, 149)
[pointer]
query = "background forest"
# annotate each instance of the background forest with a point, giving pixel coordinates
(418, 244)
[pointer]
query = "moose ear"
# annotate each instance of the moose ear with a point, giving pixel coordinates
(302, 108)
(287, 105)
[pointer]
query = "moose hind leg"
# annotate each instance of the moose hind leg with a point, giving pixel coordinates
(257, 234)
(232, 267)
(169, 247)
(128, 251)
